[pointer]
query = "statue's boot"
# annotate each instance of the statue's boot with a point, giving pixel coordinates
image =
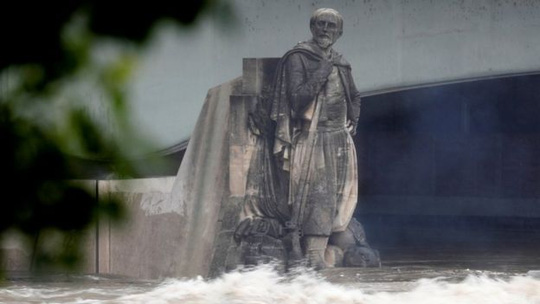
(315, 249)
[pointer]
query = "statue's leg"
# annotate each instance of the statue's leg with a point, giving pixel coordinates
(315, 247)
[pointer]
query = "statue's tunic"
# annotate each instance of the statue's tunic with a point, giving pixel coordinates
(332, 186)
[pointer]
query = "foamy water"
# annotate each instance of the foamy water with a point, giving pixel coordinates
(264, 285)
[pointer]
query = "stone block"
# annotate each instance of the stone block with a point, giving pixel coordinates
(241, 142)
(257, 73)
(147, 245)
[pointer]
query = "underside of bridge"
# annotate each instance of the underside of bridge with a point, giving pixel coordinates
(452, 166)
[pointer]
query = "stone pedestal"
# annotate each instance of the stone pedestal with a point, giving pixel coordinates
(258, 74)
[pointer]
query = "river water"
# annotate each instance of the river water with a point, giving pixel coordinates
(488, 278)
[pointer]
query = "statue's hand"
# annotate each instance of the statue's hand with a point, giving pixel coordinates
(351, 127)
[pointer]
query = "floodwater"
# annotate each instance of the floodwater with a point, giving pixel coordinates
(489, 278)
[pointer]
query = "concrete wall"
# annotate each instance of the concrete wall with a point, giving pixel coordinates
(149, 244)
(145, 245)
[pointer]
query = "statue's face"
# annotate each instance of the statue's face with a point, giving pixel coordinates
(326, 30)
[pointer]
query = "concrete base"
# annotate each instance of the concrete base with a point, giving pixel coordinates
(145, 246)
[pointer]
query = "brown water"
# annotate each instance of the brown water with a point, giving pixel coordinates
(478, 278)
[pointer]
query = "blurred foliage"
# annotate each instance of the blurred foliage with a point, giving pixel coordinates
(47, 55)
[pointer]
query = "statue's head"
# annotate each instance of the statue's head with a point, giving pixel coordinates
(326, 26)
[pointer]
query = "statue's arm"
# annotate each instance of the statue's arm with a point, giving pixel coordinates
(355, 104)
(304, 81)
(355, 99)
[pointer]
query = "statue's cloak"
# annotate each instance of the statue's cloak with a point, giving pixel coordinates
(322, 172)
(286, 121)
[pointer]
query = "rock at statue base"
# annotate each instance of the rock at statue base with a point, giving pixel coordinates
(260, 242)
(360, 256)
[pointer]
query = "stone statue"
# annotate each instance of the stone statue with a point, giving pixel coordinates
(304, 181)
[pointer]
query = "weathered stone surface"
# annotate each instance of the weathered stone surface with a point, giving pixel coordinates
(297, 139)
(224, 247)
(202, 181)
(333, 256)
(15, 252)
(257, 74)
(241, 141)
(145, 246)
(174, 221)
(361, 256)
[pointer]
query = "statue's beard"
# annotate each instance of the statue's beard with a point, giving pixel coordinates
(324, 42)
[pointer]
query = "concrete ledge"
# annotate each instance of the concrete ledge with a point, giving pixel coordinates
(455, 206)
